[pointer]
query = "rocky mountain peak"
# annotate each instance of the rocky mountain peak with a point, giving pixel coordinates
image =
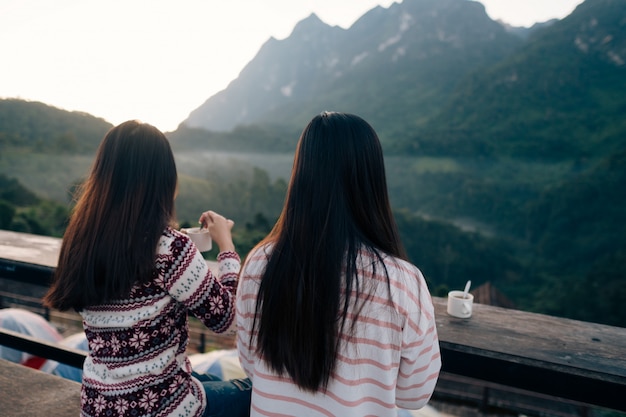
(321, 66)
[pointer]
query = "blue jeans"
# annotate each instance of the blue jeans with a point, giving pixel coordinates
(229, 398)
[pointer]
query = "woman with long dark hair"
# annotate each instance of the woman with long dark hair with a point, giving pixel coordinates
(134, 278)
(332, 318)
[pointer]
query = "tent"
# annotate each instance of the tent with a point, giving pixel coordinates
(30, 324)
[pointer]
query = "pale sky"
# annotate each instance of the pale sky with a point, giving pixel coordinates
(158, 60)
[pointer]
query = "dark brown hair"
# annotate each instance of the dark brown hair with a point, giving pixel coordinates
(337, 205)
(122, 210)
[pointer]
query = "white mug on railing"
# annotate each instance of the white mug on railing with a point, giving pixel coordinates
(458, 306)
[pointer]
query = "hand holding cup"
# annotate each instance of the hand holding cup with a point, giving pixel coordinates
(219, 227)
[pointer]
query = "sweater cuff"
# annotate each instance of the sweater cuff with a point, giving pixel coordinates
(228, 255)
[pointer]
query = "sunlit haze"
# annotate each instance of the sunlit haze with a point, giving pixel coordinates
(158, 60)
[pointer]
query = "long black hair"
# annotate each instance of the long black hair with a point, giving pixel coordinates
(336, 205)
(122, 210)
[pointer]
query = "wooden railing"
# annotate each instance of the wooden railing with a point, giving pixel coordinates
(498, 359)
(568, 359)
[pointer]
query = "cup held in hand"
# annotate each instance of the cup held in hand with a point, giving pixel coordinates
(458, 306)
(201, 238)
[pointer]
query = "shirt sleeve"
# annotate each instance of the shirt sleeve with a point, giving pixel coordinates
(188, 279)
(420, 360)
(249, 282)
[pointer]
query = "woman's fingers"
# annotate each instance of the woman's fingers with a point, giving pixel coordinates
(219, 226)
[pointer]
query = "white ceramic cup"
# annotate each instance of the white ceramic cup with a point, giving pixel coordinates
(458, 306)
(201, 237)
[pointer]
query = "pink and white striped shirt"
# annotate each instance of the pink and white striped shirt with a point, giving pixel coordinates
(392, 361)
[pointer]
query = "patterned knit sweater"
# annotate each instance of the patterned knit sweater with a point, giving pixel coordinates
(391, 361)
(137, 364)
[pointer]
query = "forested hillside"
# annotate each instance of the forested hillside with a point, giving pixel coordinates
(560, 97)
(578, 231)
(23, 211)
(39, 127)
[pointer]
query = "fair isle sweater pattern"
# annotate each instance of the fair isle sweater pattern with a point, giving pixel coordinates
(137, 365)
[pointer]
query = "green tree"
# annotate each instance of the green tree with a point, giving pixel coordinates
(12, 191)
(7, 211)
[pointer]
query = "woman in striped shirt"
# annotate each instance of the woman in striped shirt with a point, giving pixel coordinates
(332, 319)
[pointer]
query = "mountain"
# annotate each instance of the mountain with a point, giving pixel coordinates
(524, 32)
(269, 79)
(436, 77)
(562, 95)
(39, 127)
(394, 67)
